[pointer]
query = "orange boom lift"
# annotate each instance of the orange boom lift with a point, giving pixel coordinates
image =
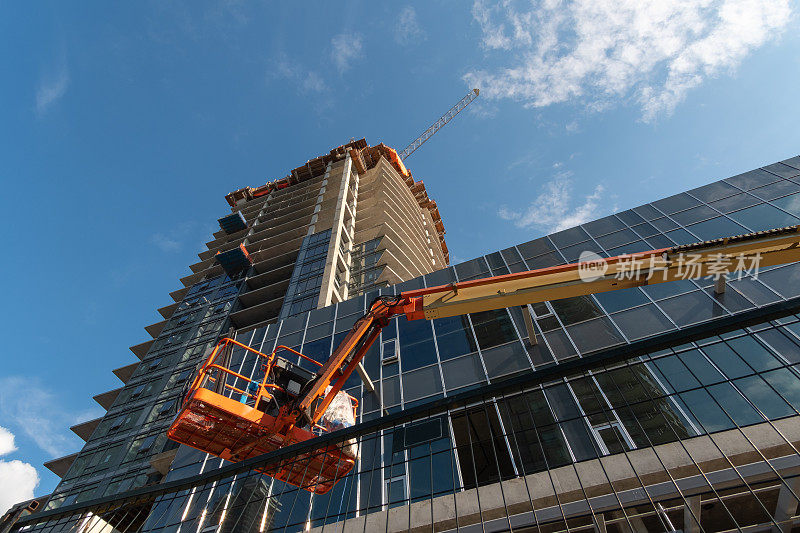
(286, 407)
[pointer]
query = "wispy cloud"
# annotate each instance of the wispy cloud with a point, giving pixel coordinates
(175, 239)
(345, 48)
(53, 84)
(305, 80)
(34, 411)
(597, 52)
(408, 30)
(554, 209)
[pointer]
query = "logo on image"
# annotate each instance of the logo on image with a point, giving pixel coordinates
(592, 267)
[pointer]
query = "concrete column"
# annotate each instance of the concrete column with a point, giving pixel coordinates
(787, 505)
(691, 515)
(599, 523)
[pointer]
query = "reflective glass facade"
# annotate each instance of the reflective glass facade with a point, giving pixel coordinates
(712, 385)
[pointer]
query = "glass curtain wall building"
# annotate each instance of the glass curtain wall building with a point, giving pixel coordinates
(659, 408)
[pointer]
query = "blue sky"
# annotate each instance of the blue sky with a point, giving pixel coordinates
(122, 127)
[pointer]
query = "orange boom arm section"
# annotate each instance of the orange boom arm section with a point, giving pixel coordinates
(298, 416)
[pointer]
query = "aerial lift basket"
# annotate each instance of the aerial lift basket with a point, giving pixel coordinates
(232, 416)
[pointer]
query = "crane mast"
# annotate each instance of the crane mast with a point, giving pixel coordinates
(439, 124)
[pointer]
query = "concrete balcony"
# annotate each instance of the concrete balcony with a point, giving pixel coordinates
(107, 399)
(140, 350)
(155, 329)
(85, 429)
(124, 373)
(259, 313)
(60, 466)
(265, 294)
(168, 310)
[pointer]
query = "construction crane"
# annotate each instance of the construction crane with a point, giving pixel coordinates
(439, 124)
(248, 417)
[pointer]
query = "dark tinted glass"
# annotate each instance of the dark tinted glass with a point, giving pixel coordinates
(716, 228)
(776, 190)
(713, 191)
(534, 248)
(619, 300)
(604, 225)
(642, 322)
(752, 179)
(733, 203)
(784, 171)
(691, 308)
(789, 203)
(630, 217)
(763, 217)
(695, 214)
(676, 203)
(569, 236)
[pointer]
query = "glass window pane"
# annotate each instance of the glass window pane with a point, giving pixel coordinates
(462, 372)
(784, 345)
(787, 384)
(642, 322)
(630, 217)
(716, 228)
(604, 225)
(789, 203)
(734, 404)
(624, 299)
(783, 170)
(691, 308)
(784, 280)
(533, 249)
(676, 203)
(752, 179)
(647, 211)
(493, 328)
(727, 360)
(594, 335)
(713, 191)
(733, 203)
(695, 214)
(776, 190)
(576, 309)
(764, 397)
(706, 411)
(754, 353)
(700, 367)
(421, 383)
(503, 360)
(568, 237)
(618, 238)
(416, 343)
(762, 217)
(674, 374)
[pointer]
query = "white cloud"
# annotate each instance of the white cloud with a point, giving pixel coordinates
(52, 86)
(17, 479)
(598, 51)
(30, 408)
(6, 442)
(345, 47)
(306, 81)
(554, 210)
(408, 29)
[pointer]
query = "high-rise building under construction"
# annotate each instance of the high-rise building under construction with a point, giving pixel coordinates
(666, 407)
